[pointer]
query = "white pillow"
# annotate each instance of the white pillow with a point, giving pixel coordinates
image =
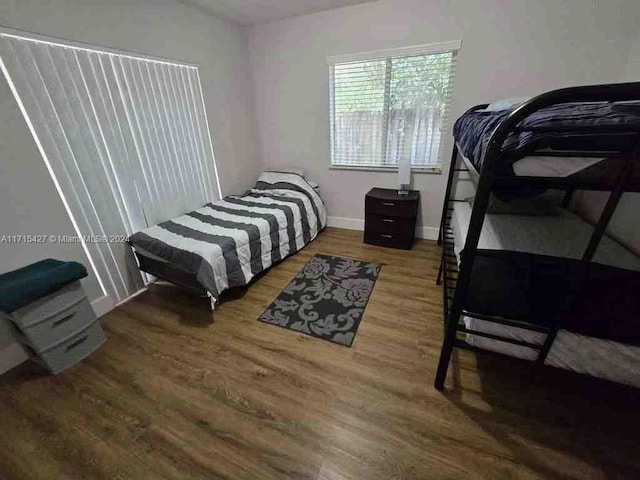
(297, 171)
(506, 104)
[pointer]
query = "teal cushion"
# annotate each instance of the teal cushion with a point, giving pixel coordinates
(27, 284)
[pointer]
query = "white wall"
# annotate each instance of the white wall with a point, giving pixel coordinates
(510, 48)
(29, 203)
(632, 70)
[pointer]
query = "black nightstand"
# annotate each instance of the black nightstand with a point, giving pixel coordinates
(390, 219)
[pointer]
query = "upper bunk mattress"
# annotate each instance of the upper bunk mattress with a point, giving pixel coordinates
(473, 130)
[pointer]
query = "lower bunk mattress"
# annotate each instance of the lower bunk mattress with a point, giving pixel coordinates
(563, 235)
(226, 243)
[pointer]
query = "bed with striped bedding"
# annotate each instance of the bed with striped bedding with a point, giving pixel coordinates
(226, 243)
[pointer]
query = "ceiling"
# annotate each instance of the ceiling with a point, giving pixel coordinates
(248, 12)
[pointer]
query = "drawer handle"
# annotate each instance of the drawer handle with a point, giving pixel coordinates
(389, 204)
(388, 220)
(77, 342)
(64, 319)
(387, 236)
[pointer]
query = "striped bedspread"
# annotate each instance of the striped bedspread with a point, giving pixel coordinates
(227, 242)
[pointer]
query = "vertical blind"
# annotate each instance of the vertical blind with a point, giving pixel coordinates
(125, 139)
(391, 106)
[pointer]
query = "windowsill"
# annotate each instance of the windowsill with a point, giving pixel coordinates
(430, 170)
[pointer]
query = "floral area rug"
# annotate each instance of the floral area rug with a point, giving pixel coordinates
(326, 299)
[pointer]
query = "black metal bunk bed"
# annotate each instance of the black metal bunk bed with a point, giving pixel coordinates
(540, 287)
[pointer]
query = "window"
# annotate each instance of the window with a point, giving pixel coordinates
(391, 106)
(124, 137)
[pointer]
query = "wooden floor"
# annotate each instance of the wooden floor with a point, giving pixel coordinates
(173, 395)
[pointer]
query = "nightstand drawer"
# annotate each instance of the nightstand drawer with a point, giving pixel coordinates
(397, 226)
(390, 208)
(394, 240)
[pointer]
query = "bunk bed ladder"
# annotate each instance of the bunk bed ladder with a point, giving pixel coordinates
(453, 168)
(464, 273)
(452, 171)
(447, 212)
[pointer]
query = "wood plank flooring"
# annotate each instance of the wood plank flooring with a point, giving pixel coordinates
(174, 395)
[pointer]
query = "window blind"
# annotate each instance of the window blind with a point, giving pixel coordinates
(391, 106)
(125, 139)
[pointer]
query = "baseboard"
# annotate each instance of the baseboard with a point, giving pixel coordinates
(348, 223)
(103, 305)
(142, 290)
(427, 233)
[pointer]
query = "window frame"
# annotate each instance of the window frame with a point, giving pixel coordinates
(387, 54)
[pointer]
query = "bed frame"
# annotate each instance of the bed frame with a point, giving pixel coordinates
(170, 273)
(619, 172)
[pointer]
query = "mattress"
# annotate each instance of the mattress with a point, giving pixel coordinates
(561, 235)
(544, 166)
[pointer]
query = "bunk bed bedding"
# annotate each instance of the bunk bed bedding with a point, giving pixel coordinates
(226, 243)
(473, 130)
(560, 235)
